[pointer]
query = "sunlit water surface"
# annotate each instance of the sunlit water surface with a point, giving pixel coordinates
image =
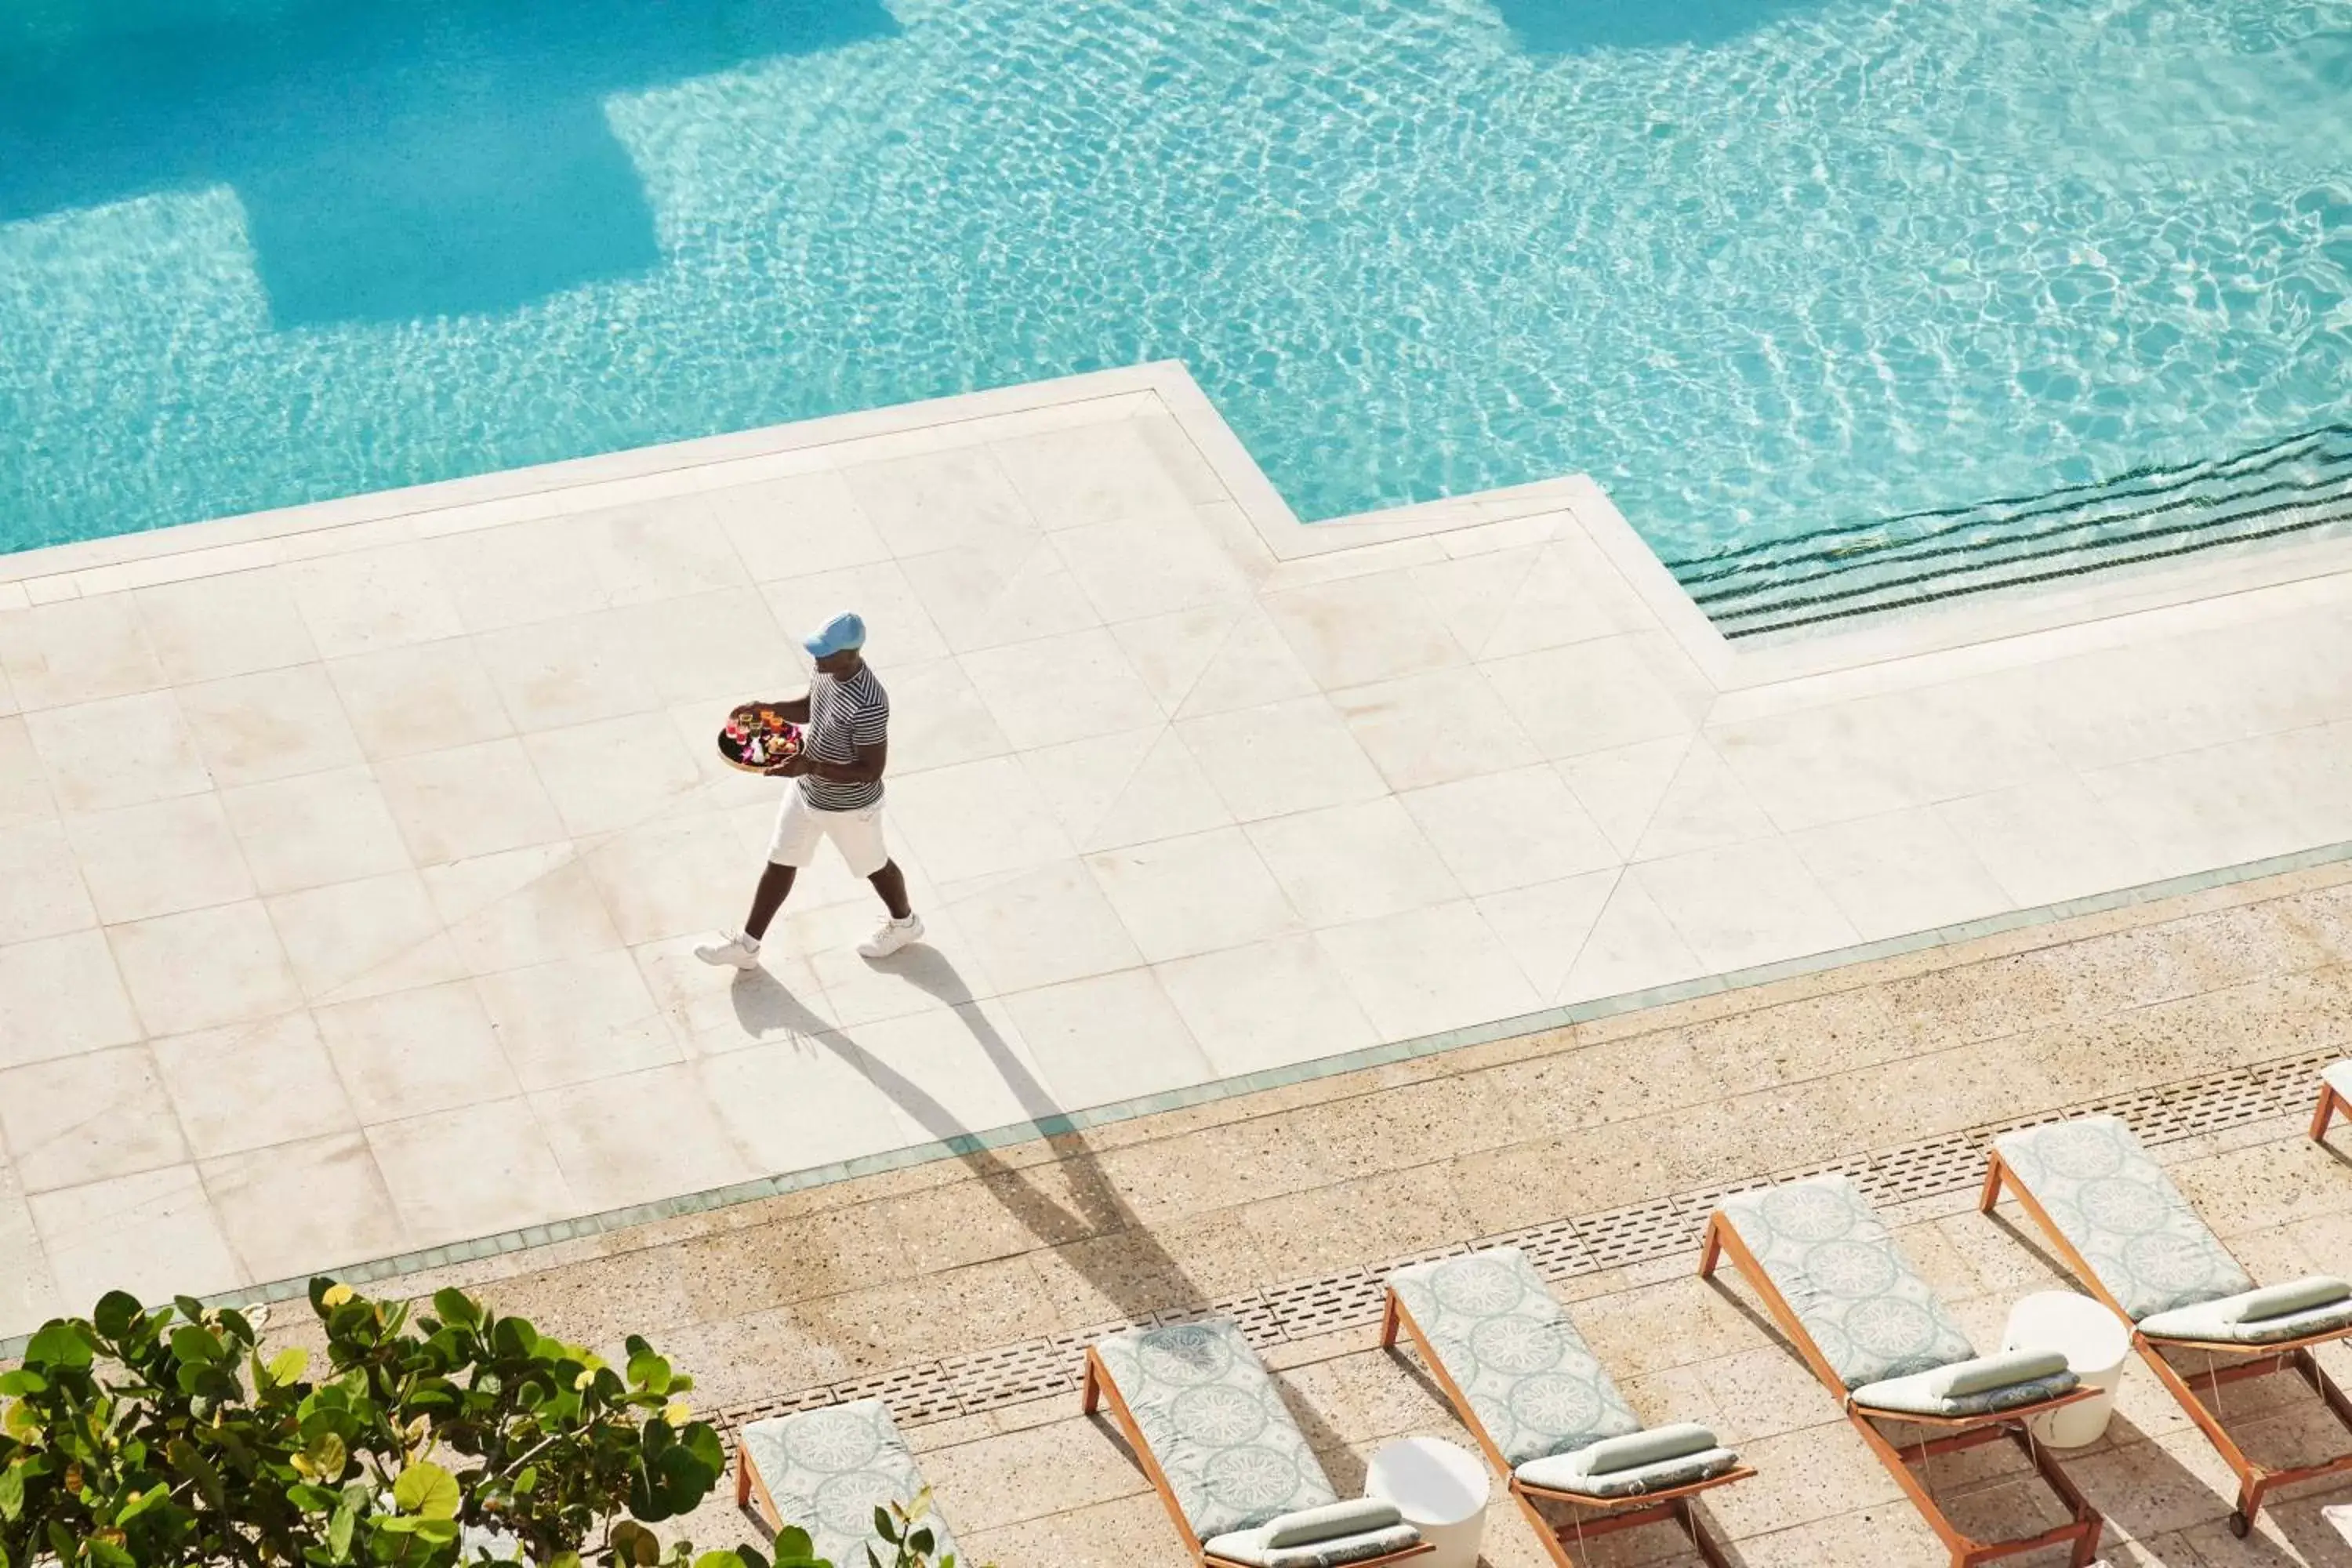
(1758, 265)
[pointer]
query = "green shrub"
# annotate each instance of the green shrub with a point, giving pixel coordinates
(162, 1439)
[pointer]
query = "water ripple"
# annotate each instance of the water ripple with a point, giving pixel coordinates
(1829, 262)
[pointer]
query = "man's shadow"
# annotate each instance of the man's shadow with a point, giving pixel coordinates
(1141, 1280)
(1095, 1208)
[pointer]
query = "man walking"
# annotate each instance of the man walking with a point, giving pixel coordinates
(844, 743)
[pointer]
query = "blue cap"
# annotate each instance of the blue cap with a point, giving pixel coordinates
(843, 632)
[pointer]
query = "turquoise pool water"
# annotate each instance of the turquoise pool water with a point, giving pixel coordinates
(1762, 266)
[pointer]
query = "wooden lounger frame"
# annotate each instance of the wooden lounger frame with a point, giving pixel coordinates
(1671, 1506)
(2330, 1103)
(1100, 1385)
(2257, 1361)
(748, 1482)
(1960, 1432)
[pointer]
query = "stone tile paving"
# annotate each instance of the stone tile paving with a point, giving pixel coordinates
(865, 1284)
(365, 859)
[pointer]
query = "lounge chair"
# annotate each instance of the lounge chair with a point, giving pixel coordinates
(1545, 1410)
(2129, 1234)
(2335, 1095)
(826, 1470)
(1210, 1428)
(1881, 1342)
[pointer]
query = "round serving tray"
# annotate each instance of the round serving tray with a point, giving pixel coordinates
(758, 738)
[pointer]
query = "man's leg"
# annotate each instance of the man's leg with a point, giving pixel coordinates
(775, 883)
(860, 836)
(889, 881)
(796, 838)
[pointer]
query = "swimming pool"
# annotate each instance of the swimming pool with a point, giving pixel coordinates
(1764, 267)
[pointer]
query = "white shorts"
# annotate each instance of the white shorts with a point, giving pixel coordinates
(801, 827)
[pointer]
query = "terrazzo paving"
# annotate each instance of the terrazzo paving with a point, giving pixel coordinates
(350, 862)
(878, 1277)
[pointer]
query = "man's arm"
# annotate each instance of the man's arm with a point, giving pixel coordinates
(796, 710)
(865, 766)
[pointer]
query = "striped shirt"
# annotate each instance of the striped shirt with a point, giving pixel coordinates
(843, 716)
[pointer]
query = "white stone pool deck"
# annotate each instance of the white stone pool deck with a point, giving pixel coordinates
(350, 858)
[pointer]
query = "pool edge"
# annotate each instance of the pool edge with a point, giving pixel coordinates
(1910, 647)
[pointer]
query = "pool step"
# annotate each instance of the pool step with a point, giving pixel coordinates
(2295, 485)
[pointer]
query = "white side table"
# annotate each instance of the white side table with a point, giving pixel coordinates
(2095, 1343)
(1440, 1489)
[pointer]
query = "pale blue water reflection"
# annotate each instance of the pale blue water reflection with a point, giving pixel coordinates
(1757, 264)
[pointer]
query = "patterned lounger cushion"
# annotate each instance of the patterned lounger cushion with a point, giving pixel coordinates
(2117, 1208)
(2312, 1306)
(1978, 1387)
(1635, 1449)
(1251, 1547)
(1538, 1389)
(1217, 1424)
(1351, 1516)
(1866, 1308)
(1572, 1473)
(827, 1471)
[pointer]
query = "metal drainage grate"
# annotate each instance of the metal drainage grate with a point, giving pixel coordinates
(1584, 1244)
(1618, 1237)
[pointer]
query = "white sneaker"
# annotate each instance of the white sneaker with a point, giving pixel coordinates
(732, 947)
(892, 935)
